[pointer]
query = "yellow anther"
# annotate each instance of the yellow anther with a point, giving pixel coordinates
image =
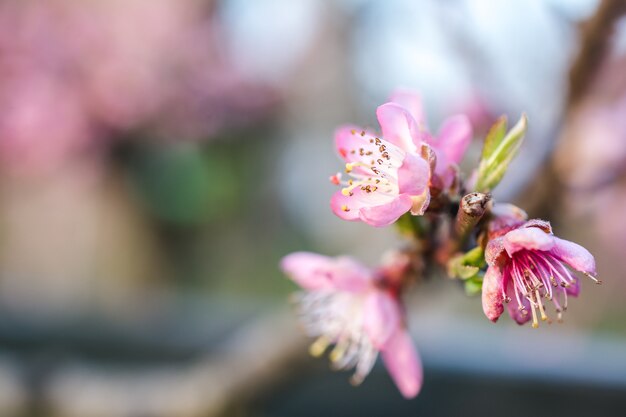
(318, 347)
(535, 322)
(337, 353)
(544, 317)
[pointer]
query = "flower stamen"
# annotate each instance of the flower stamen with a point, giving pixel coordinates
(320, 345)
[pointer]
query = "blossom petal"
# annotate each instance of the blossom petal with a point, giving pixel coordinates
(348, 274)
(403, 363)
(411, 101)
(346, 207)
(445, 170)
(420, 203)
(413, 175)
(531, 238)
(381, 317)
(494, 249)
(398, 126)
(349, 138)
(574, 255)
(318, 272)
(349, 207)
(574, 289)
(454, 137)
(386, 214)
(541, 224)
(505, 217)
(492, 295)
(308, 270)
(520, 315)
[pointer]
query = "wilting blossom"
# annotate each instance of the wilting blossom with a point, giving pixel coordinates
(449, 145)
(527, 265)
(358, 311)
(388, 175)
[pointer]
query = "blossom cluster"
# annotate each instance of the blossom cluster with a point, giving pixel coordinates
(407, 176)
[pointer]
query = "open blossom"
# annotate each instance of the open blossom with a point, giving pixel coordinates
(449, 145)
(388, 175)
(527, 268)
(359, 311)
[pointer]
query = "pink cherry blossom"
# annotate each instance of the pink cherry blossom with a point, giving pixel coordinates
(528, 264)
(77, 76)
(449, 145)
(359, 311)
(388, 175)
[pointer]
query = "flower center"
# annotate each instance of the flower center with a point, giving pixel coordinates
(540, 276)
(372, 167)
(337, 318)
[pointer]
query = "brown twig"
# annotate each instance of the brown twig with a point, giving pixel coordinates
(472, 208)
(595, 36)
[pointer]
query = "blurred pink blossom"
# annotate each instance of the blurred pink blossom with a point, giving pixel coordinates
(359, 311)
(74, 73)
(478, 110)
(449, 145)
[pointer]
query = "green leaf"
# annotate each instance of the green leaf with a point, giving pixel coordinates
(474, 286)
(410, 225)
(494, 137)
(467, 265)
(465, 271)
(498, 152)
(475, 257)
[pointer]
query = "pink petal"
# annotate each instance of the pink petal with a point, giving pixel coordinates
(345, 207)
(492, 293)
(505, 217)
(508, 211)
(574, 289)
(317, 272)
(494, 249)
(420, 203)
(513, 306)
(413, 175)
(574, 255)
(454, 137)
(381, 317)
(541, 224)
(348, 274)
(445, 170)
(398, 126)
(348, 138)
(411, 101)
(403, 363)
(386, 214)
(308, 270)
(530, 238)
(349, 207)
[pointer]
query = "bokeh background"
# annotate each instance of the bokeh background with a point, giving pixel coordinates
(158, 157)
